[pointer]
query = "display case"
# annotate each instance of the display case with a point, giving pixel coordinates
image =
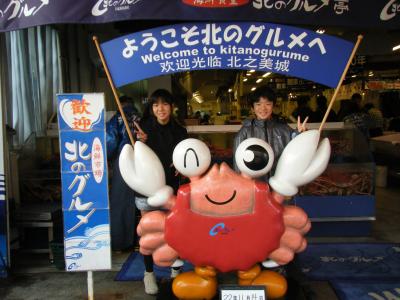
(340, 202)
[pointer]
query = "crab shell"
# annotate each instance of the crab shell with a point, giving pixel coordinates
(229, 235)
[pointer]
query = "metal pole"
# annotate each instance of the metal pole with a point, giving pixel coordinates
(90, 285)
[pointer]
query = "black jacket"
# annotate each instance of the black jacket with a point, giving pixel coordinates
(162, 139)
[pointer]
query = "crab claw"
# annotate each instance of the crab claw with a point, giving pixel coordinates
(301, 162)
(143, 172)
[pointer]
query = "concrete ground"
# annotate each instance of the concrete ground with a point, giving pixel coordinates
(34, 278)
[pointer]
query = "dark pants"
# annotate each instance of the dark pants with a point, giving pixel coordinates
(122, 212)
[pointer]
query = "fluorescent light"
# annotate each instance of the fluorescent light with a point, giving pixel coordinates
(320, 30)
(353, 76)
(396, 48)
(245, 79)
(259, 80)
(253, 88)
(248, 74)
(252, 71)
(266, 74)
(371, 74)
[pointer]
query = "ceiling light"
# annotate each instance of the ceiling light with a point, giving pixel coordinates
(320, 31)
(371, 74)
(253, 88)
(245, 79)
(259, 80)
(266, 74)
(353, 76)
(396, 48)
(252, 71)
(248, 74)
(197, 97)
(230, 91)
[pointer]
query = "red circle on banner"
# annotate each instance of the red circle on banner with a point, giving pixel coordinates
(215, 3)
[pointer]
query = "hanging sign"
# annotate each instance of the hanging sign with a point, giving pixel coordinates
(84, 182)
(250, 46)
(17, 14)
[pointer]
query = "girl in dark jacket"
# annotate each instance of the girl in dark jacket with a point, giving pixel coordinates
(161, 132)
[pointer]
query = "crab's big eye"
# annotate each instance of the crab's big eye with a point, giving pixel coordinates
(191, 157)
(254, 157)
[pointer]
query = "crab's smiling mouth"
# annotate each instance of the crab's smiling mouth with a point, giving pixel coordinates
(224, 202)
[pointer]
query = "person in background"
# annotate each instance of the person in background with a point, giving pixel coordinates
(303, 109)
(161, 132)
(321, 109)
(266, 125)
(357, 99)
(344, 109)
(358, 118)
(376, 118)
(122, 198)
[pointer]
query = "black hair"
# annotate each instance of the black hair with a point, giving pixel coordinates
(163, 95)
(262, 92)
(356, 97)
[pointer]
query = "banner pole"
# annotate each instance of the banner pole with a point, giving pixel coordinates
(90, 285)
(359, 38)
(114, 90)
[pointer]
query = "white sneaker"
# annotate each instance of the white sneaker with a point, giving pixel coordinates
(175, 272)
(150, 283)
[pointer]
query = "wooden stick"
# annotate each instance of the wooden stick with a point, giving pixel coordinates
(114, 90)
(359, 38)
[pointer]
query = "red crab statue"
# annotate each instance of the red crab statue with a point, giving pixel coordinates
(222, 220)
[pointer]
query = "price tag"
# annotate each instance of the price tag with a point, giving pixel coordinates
(247, 292)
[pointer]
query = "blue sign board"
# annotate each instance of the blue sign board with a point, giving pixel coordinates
(84, 182)
(249, 46)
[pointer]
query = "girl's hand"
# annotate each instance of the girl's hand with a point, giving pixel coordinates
(301, 127)
(141, 135)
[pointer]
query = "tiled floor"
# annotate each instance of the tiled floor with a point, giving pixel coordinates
(39, 280)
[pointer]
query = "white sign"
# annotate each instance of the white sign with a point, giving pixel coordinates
(235, 292)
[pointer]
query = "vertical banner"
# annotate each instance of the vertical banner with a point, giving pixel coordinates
(84, 182)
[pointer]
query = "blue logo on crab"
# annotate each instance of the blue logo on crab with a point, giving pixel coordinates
(219, 228)
(89, 252)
